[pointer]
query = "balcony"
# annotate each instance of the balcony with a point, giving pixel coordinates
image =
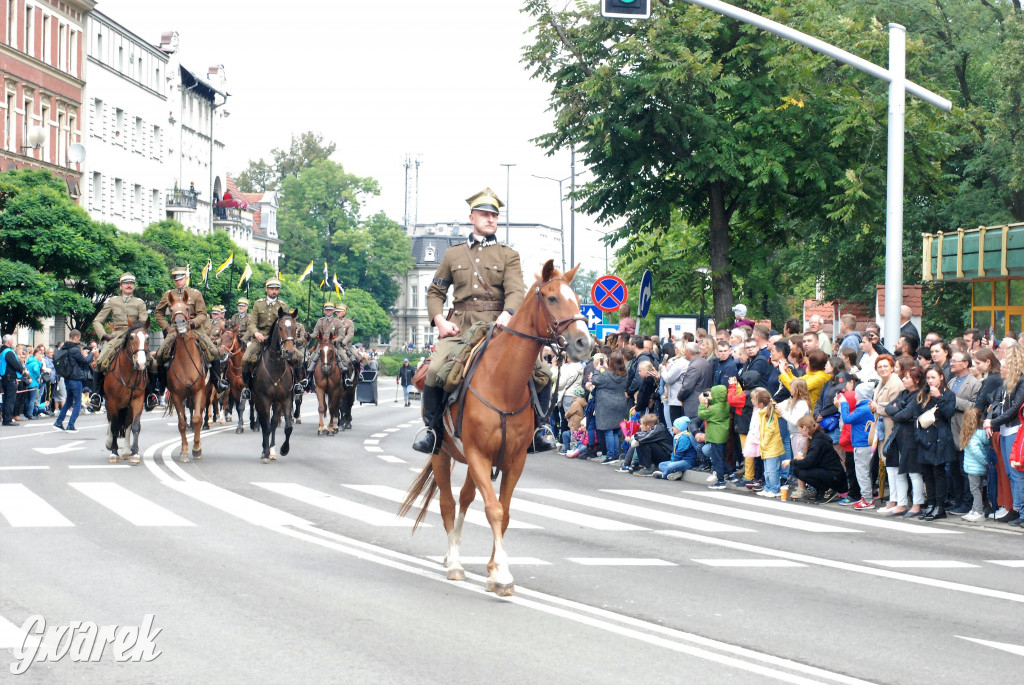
(180, 201)
(231, 215)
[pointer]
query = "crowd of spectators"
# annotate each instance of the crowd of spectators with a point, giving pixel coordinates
(926, 430)
(33, 388)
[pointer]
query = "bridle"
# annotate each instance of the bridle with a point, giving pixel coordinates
(555, 327)
(136, 374)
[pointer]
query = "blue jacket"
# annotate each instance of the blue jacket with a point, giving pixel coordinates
(857, 420)
(975, 454)
(721, 371)
(684, 446)
(35, 369)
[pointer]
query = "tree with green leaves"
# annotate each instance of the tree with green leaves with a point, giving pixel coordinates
(304, 150)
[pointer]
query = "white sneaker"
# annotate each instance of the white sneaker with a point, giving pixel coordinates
(1000, 513)
(765, 493)
(713, 478)
(973, 516)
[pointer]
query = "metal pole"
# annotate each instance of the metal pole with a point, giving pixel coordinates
(508, 181)
(572, 212)
(894, 185)
(561, 211)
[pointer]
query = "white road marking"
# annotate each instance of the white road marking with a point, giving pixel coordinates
(379, 435)
(99, 466)
(482, 561)
(1012, 563)
(845, 566)
(24, 468)
(129, 506)
(25, 509)
(618, 561)
(72, 446)
(732, 512)
(1006, 647)
(473, 516)
(823, 513)
(337, 505)
(922, 563)
(750, 563)
(391, 459)
(371, 442)
(391, 430)
(10, 635)
(372, 448)
(646, 514)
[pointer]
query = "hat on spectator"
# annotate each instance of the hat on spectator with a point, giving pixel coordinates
(579, 392)
(842, 378)
(127, 277)
(865, 391)
(681, 424)
(243, 300)
(740, 310)
(405, 360)
(486, 200)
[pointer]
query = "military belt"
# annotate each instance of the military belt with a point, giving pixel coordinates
(478, 306)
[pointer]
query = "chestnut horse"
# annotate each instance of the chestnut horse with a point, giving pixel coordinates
(497, 424)
(233, 372)
(125, 388)
(272, 382)
(188, 378)
(327, 381)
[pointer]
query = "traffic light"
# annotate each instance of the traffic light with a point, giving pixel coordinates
(626, 9)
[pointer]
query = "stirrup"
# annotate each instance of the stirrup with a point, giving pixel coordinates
(422, 444)
(246, 395)
(298, 389)
(152, 401)
(348, 382)
(541, 442)
(95, 402)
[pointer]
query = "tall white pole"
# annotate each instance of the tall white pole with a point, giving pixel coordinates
(894, 184)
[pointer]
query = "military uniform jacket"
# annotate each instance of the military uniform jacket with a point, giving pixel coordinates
(121, 312)
(196, 306)
(498, 265)
(346, 330)
(240, 322)
(217, 328)
(327, 325)
(264, 314)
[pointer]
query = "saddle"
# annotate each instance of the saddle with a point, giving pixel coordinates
(454, 369)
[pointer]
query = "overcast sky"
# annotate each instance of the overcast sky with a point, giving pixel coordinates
(382, 79)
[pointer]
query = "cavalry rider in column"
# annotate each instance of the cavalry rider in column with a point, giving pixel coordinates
(240, 321)
(262, 317)
(487, 283)
(328, 326)
(122, 311)
(343, 343)
(200, 323)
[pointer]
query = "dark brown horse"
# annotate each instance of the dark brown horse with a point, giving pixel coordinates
(327, 381)
(272, 382)
(497, 424)
(125, 388)
(232, 401)
(188, 378)
(350, 378)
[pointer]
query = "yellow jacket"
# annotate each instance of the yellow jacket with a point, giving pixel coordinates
(815, 380)
(771, 438)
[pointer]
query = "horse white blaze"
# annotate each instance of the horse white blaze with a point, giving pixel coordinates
(140, 355)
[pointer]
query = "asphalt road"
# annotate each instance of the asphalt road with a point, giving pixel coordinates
(299, 571)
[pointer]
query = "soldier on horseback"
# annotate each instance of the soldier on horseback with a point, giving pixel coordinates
(488, 286)
(200, 323)
(217, 322)
(240, 321)
(263, 316)
(326, 325)
(122, 311)
(343, 343)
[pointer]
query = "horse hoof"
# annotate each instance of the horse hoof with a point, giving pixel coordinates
(347, 425)
(222, 422)
(134, 459)
(228, 420)
(285, 449)
(298, 420)
(197, 454)
(114, 459)
(265, 460)
(504, 590)
(323, 431)
(183, 458)
(240, 429)
(456, 574)
(252, 425)
(273, 457)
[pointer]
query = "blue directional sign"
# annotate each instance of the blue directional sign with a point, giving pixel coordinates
(593, 314)
(605, 329)
(646, 293)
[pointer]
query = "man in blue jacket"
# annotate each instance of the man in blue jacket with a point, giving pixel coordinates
(10, 367)
(80, 370)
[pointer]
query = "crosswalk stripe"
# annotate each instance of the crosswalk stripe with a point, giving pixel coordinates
(614, 561)
(732, 512)
(1012, 563)
(371, 442)
(372, 448)
(860, 519)
(750, 563)
(473, 516)
(10, 635)
(663, 518)
(379, 435)
(99, 466)
(920, 563)
(391, 459)
(481, 561)
(129, 506)
(24, 468)
(337, 505)
(25, 509)
(392, 430)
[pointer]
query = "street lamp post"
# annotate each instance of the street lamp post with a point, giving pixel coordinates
(508, 181)
(561, 213)
(703, 271)
(594, 230)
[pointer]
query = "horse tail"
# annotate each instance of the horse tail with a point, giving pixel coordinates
(425, 485)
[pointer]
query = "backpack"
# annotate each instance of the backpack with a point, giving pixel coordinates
(3, 361)
(62, 362)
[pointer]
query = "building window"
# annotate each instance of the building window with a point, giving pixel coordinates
(998, 306)
(137, 143)
(118, 196)
(137, 201)
(27, 112)
(97, 190)
(12, 21)
(157, 143)
(119, 134)
(99, 47)
(120, 59)
(156, 203)
(44, 121)
(62, 48)
(61, 145)
(414, 299)
(429, 254)
(74, 52)
(9, 123)
(29, 25)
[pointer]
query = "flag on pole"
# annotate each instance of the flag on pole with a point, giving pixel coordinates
(279, 277)
(230, 260)
(246, 272)
(339, 291)
(188, 272)
(308, 271)
(206, 270)
(325, 277)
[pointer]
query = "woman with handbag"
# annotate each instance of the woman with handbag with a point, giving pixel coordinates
(902, 446)
(1007, 423)
(935, 406)
(889, 388)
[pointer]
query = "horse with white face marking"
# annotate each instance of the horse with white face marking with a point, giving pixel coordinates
(124, 386)
(272, 382)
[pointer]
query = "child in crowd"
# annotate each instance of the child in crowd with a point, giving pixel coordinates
(798, 405)
(975, 441)
(684, 452)
(861, 421)
(714, 410)
(769, 440)
(574, 417)
(821, 467)
(653, 444)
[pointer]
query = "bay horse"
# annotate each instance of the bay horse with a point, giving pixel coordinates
(272, 382)
(497, 424)
(233, 401)
(327, 379)
(188, 378)
(125, 389)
